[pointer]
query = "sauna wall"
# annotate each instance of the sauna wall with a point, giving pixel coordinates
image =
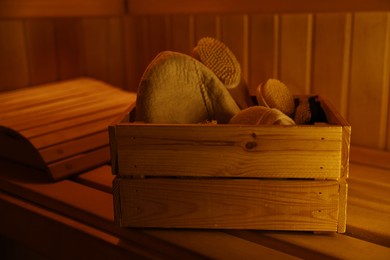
(342, 56)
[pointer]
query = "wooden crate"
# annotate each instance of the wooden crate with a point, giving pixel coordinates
(231, 176)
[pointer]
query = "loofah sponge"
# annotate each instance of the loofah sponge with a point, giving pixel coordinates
(260, 115)
(220, 60)
(275, 94)
(176, 88)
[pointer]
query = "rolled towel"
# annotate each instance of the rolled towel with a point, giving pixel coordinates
(260, 115)
(176, 88)
(221, 60)
(275, 94)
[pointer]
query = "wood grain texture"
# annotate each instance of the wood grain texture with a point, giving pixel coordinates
(87, 204)
(41, 51)
(262, 49)
(95, 48)
(227, 203)
(295, 52)
(60, 128)
(330, 54)
(62, 8)
(234, 33)
(207, 26)
(69, 45)
(252, 6)
(229, 151)
(13, 63)
(368, 96)
(181, 37)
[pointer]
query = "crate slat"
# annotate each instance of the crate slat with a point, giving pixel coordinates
(229, 151)
(229, 203)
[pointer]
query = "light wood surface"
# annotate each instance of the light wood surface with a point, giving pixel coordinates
(90, 203)
(227, 203)
(235, 151)
(61, 127)
(252, 6)
(320, 53)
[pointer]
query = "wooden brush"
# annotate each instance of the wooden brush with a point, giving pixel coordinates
(220, 59)
(275, 94)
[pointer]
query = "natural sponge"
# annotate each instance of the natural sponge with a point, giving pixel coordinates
(176, 88)
(260, 115)
(275, 94)
(220, 59)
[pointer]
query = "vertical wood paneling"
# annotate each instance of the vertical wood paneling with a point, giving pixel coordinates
(369, 93)
(234, 34)
(206, 26)
(115, 50)
(67, 31)
(13, 56)
(41, 51)
(295, 51)
(131, 42)
(386, 80)
(181, 39)
(331, 52)
(262, 47)
(95, 49)
(158, 35)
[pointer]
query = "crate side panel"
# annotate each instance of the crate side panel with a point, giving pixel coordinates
(229, 151)
(230, 203)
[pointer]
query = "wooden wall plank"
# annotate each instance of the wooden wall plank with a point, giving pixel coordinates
(206, 25)
(295, 52)
(60, 8)
(95, 38)
(115, 51)
(367, 103)
(158, 35)
(182, 39)
(132, 60)
(13, 61)
(252, 6)
(386, 79)
(262, 46)
(69, 53)
(332, 38)
(234, 33)
(41, 51)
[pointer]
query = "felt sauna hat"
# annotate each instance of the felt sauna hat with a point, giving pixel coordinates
(176, 88)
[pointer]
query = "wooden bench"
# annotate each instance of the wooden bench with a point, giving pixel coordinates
(74, 217)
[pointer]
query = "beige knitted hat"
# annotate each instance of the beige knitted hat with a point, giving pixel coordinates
(275, 94)
(260, 115)
(221, 60)
(176, 88)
